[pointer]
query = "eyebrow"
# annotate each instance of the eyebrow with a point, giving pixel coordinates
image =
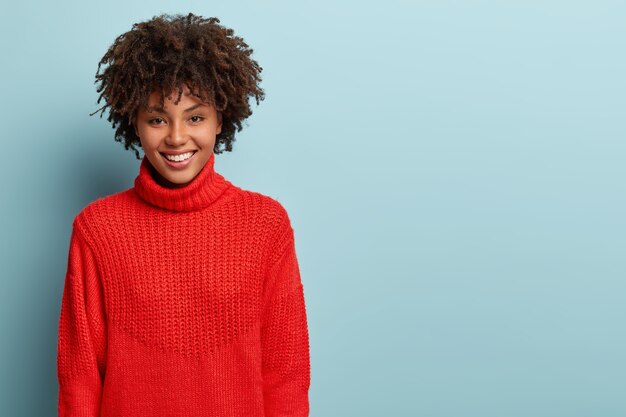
(162, 110)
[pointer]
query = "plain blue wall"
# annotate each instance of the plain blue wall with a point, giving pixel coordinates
(454, 172)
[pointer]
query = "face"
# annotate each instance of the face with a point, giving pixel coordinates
(177, 131)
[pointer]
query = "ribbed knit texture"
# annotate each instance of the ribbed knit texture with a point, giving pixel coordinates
(183, 302)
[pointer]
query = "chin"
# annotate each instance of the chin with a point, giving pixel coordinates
(177, 177)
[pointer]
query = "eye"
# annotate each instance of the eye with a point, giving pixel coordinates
(155, 120)
(198, 118)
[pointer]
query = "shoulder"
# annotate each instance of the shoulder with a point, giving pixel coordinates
(268, 207)
(267, 215)
(272, 220)
(276, 217)
(102, 212)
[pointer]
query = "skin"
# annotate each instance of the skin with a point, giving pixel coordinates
(177, 130)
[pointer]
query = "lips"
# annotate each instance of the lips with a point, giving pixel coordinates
(178, 153)
(178, 164)
(185, 155)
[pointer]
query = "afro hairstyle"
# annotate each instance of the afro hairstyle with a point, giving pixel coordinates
(164, 53)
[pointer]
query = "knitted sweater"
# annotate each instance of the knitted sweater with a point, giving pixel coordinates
(183, 302)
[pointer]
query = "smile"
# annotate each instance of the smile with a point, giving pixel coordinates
(179, 162)
(180, 157)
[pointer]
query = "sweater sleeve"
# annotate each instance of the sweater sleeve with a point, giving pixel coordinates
(284, 334)
(81, 344)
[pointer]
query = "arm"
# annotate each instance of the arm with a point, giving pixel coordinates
(284, 335)
(82, 334)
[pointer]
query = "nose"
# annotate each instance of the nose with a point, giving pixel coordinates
(177, 134)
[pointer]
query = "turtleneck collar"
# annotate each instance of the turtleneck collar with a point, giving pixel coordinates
(201, 192)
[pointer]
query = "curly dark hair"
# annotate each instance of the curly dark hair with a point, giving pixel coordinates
(168, 51)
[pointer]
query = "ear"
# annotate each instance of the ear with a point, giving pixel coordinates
(219, 126)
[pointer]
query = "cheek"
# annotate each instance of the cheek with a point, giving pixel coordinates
(147, 137)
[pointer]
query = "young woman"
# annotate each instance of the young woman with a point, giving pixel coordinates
(183, 295)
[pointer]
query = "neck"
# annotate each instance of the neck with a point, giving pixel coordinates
(201, 192)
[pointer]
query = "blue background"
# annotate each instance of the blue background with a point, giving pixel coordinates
(454, 172)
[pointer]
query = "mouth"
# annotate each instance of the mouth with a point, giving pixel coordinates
(180, 160)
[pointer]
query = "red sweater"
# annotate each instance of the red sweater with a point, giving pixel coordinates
(183, 302)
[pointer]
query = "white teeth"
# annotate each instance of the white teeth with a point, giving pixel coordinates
(179, 158)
